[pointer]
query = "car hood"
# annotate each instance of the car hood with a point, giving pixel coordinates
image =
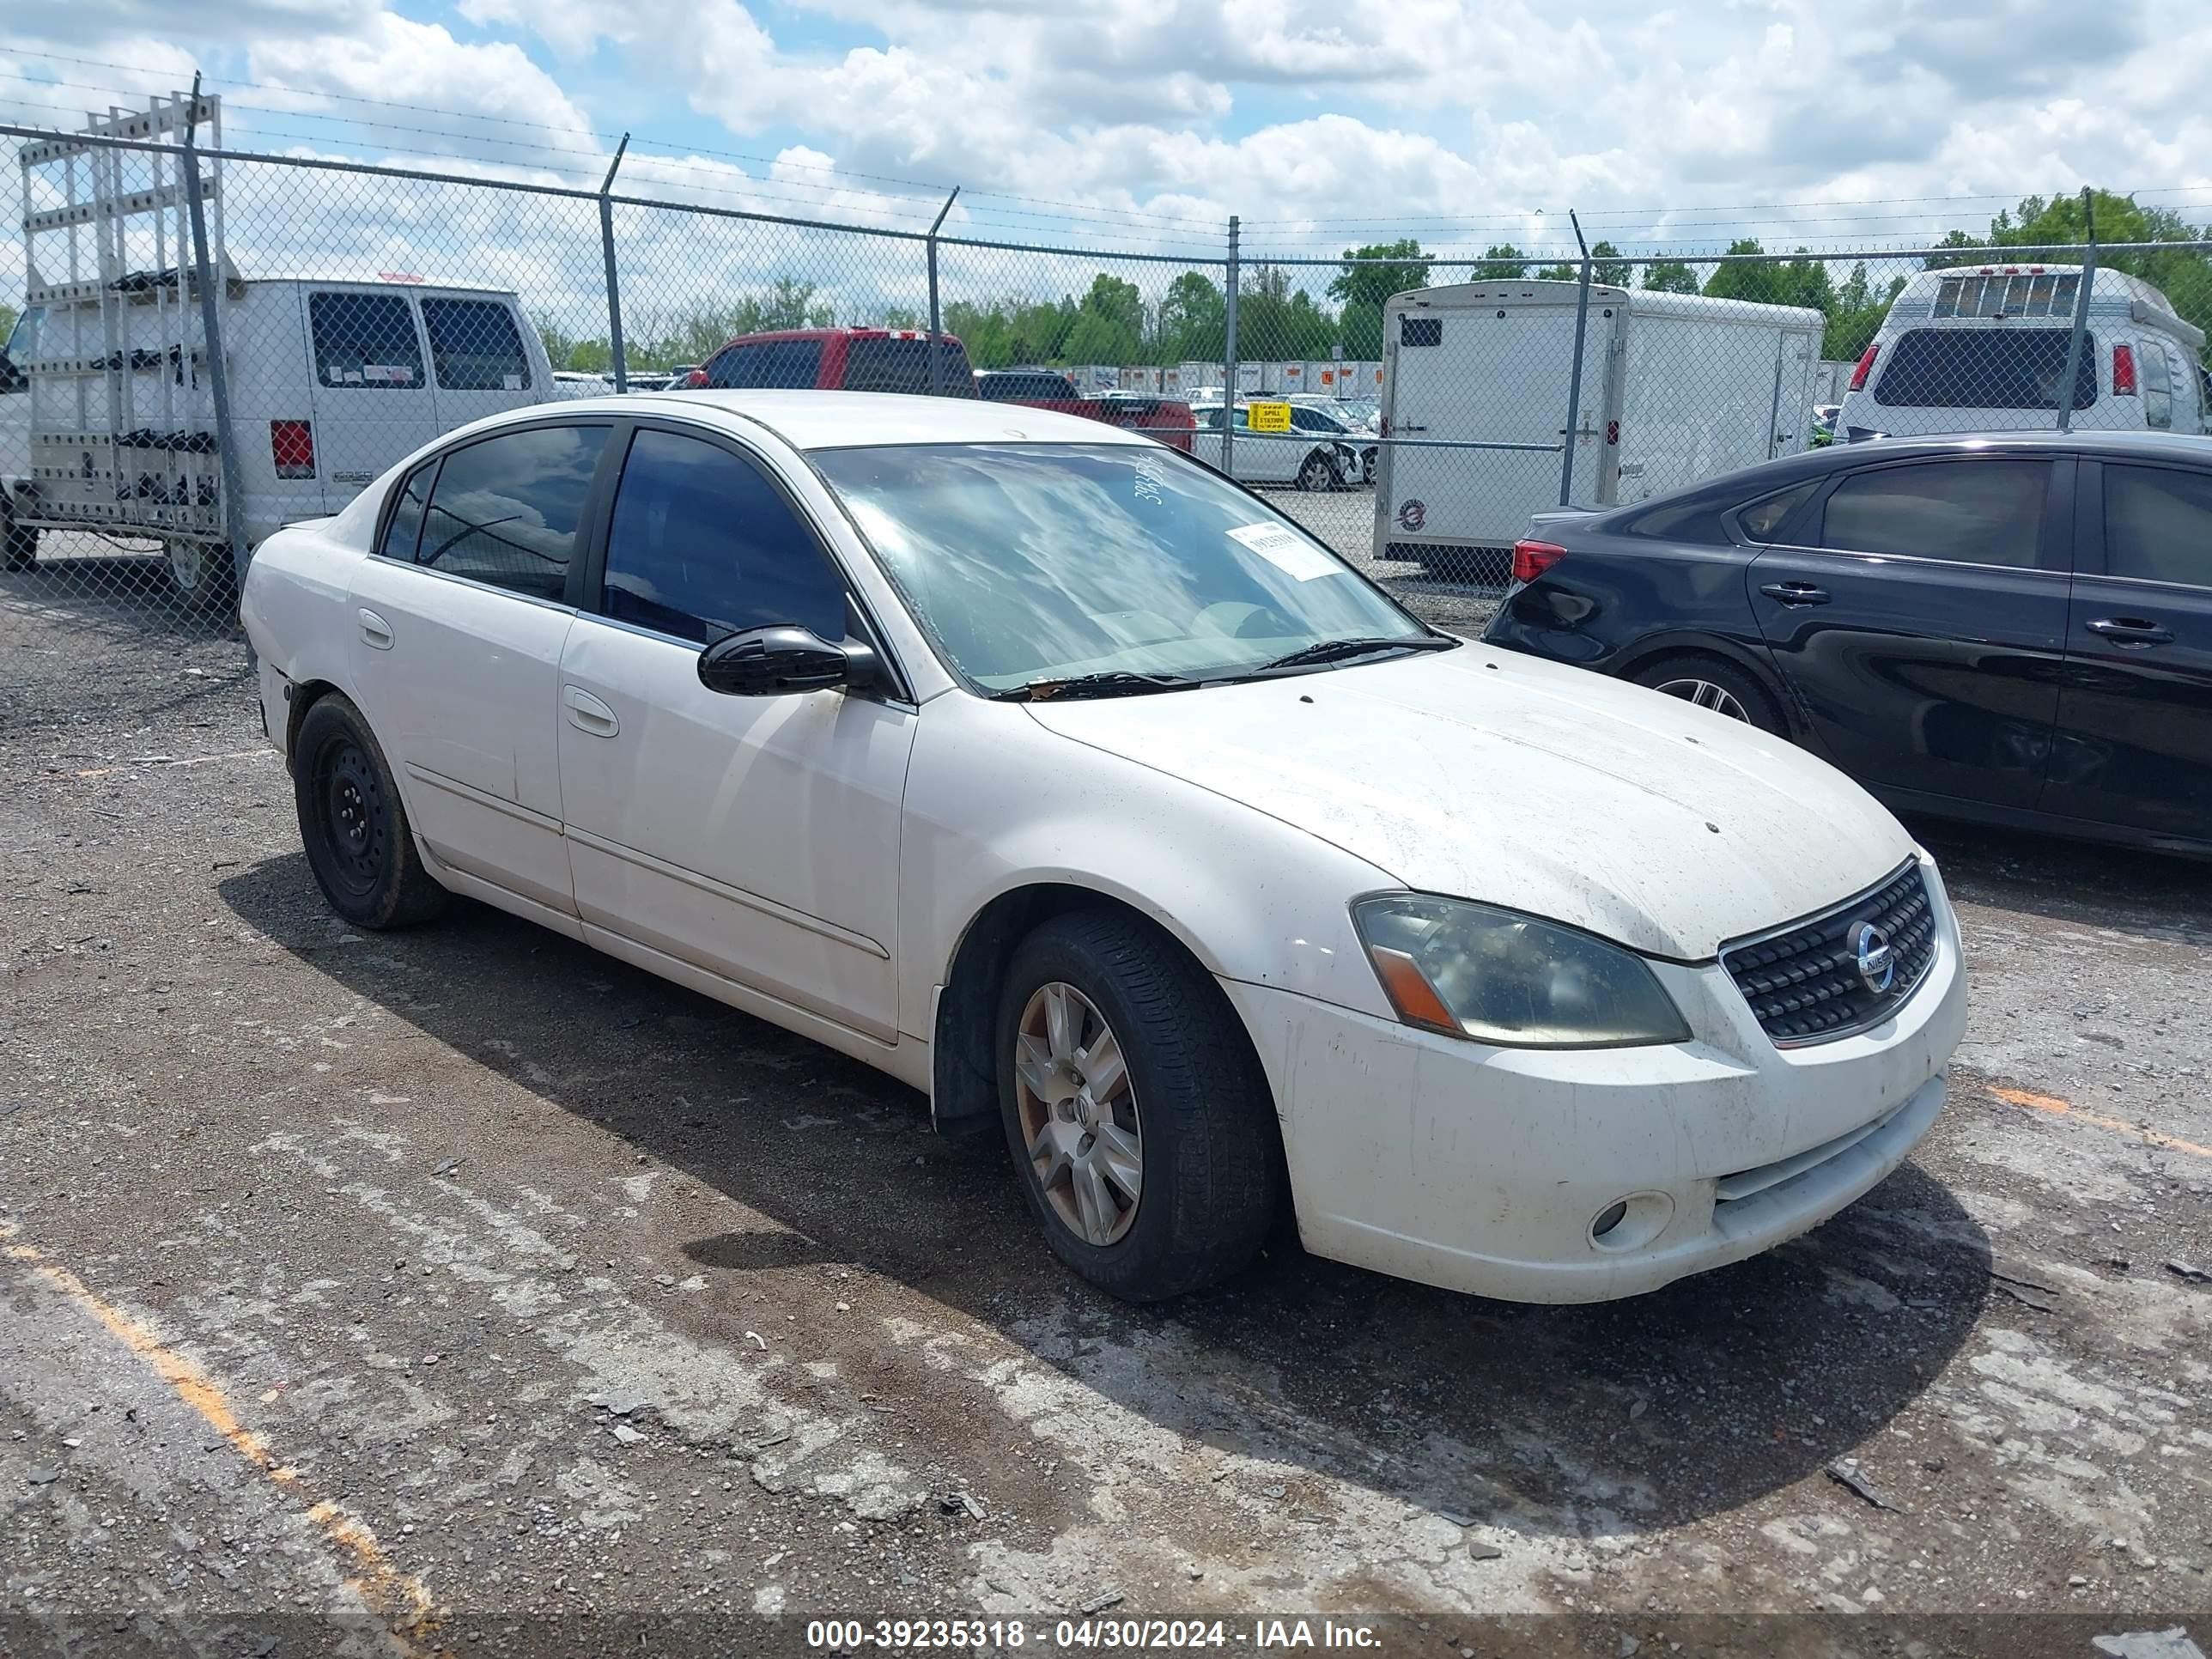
(1486, 776)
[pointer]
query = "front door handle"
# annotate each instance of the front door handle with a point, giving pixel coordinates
(587, 714)
(375, 630)
(1794, 592)
(2131, 630)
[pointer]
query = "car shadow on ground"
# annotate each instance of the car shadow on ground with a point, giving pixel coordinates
(2158, 895)
(1656, 1411)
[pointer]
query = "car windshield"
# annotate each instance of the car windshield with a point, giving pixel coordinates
(1028, 562)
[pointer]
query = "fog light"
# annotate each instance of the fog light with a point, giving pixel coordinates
(1631, 1223)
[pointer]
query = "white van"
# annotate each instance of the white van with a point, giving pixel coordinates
(1675, 388)
(331, 382)
(1982, 349)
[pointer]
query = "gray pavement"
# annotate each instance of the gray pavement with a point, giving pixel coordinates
(461, 1289)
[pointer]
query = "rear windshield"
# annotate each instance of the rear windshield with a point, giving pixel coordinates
(365, 340)
(474, 346)
(880, 365)
(1985, 369)
(770, 363)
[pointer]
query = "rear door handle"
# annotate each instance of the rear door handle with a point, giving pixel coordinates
(1794, 592)
(587, 714)
(2131, 630)
(375, 630)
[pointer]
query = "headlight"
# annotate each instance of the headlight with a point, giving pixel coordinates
(1501, 977)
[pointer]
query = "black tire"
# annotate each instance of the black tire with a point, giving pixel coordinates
(200, 575)
(353, 825)
(1211, 1150)
(20, 545)
(1678, 674)
(1318, 472)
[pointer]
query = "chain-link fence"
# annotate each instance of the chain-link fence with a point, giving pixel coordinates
(213, 344)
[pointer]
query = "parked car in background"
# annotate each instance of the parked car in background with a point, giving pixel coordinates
(580, 383)
(1058, 777)
(1824, 423)
(1675, 388)
(837, 359)
(1167, 419)
(1983, 350)
(2014, 628)
(1355, 454)
(1260, 458)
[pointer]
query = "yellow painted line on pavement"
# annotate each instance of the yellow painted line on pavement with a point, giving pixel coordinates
(399, 1598)
(2057, 1108)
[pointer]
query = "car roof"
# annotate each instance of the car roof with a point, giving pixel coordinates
(846, 420)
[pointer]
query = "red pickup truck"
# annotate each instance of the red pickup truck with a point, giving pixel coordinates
(897, 360)
(1163, 418)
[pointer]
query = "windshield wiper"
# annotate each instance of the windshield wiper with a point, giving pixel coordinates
(1321, 651)
(1118, 683)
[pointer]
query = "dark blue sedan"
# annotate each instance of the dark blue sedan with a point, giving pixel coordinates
(2016, 629)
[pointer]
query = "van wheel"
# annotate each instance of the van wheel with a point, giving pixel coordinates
(1318, 473)
(353, 823)
(199, 574)
(1711, 683)
(21, 546)
(1141, 1128)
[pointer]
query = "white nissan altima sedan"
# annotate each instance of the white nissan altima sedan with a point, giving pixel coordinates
(1049, 771)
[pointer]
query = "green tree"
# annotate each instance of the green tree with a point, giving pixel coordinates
(1670, 276)
(1561, 273)
(1501, 262)
(1373, 274)
(1856, 315)
(1608, 266)
(1193, 320)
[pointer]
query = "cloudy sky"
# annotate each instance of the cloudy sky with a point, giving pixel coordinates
(1147, 121)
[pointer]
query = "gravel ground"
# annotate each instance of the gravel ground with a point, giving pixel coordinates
(464, 1291)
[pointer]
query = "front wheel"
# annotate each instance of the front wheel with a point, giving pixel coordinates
(1318, 473)
(1141, 1128)
(353, 825)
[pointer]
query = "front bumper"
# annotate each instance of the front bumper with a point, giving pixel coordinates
(1485, 1169)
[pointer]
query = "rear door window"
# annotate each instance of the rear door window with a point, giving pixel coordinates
(1969, 511)
(2158, 524)
(1985, 369)
(703, 545)
(786, 363)
(474, 346)
(506, 510)
(365, 340)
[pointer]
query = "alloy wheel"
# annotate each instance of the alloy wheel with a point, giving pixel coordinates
(1084, 1138)
(1705, 694)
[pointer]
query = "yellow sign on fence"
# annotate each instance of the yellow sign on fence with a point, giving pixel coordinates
(1270, 417)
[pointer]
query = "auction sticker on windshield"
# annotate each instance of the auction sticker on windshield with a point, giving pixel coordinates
(1285, 550)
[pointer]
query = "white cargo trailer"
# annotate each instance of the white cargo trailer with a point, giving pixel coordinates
(1475, 381)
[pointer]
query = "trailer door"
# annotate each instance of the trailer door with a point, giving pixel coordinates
(1479, 392)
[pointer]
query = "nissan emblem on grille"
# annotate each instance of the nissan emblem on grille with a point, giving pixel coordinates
(1840, 971)
(1877, 962)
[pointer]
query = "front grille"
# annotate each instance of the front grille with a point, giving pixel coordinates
(1804, 982)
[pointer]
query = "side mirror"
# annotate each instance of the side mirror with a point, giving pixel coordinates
(772, 662)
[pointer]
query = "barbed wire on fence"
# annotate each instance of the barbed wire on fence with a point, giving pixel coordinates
(1436, 397)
